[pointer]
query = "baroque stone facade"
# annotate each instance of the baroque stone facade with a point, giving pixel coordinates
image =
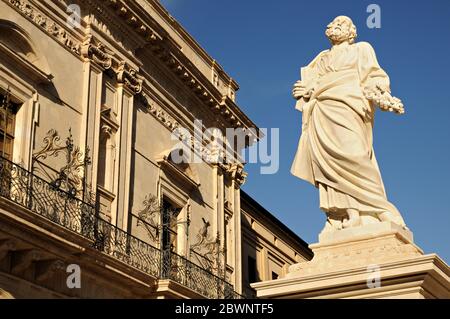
(87, 176)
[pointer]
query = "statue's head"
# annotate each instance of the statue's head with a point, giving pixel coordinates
(341, 29)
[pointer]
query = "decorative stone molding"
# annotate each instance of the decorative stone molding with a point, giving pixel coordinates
(6, 246)
(236, 172)
(129, 77)
(32, 62)
(46, 24)
(358, 247)
(107, 130)
(219, 104)
(165, 49)
(228, 216)
(183, 172)
(163, 117)
(105, 58)
(24, 258)
(89, 49)
(97, 52)
(100, 54)
(168, 121)
(112, 26)
(109, 120)
(162, 46)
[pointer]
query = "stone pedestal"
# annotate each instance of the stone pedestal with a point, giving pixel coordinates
(377, 260)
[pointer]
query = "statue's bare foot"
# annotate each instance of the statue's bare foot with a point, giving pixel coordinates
(354, 219)
(390, 217)
(352, 222)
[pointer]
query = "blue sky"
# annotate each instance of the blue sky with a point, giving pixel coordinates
(262, 44)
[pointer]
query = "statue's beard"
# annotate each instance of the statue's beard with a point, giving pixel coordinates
(337, 35)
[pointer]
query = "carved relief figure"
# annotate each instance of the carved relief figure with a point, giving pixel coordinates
(337, 95)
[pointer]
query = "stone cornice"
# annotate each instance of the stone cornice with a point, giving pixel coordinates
(168, 52)
(157, 40)
(233, 170)
(172, 124)
(192, 42)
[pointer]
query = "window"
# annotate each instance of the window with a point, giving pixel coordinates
(252, 270)
(169, 220)
(8, 110)
(102, 148)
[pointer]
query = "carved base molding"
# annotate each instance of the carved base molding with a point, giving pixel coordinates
(373, 261)
(360, 246)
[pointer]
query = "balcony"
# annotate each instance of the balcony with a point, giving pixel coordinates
(35, 194)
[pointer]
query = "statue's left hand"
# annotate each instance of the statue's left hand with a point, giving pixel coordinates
(391, 104)
(384, 100)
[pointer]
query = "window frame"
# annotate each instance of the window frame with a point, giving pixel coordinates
(7, 116)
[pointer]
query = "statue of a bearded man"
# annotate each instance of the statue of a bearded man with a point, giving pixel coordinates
(337, 95)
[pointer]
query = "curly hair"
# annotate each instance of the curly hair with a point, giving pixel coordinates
(351, 34)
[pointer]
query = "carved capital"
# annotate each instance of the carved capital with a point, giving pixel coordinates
(236, 172)
(107, 131)
(228, 218)
(129, 77)
(97, 52)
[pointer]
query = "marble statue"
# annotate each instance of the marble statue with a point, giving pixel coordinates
(337, 96)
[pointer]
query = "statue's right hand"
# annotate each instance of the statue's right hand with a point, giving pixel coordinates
(299, 90)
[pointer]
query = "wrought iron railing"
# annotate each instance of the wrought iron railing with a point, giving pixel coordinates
(191, 275)
(144, 230)
(124, 246)
(203, 261)
(62, 208)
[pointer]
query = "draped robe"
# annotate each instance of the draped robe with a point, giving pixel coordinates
(335, 152)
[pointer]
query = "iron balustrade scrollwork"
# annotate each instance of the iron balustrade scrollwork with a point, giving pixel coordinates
(41, 197)
(62, 208)
(189, 274)
(125, 247)
(148, 232)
